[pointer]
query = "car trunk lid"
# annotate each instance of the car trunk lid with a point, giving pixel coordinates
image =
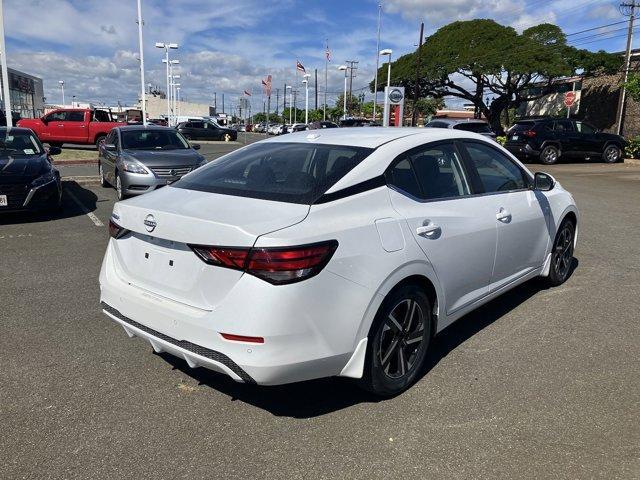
(156, 256)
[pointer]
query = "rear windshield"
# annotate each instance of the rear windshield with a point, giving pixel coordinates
(521, 126)
(283, 172)
(477, 127)
(152, 140)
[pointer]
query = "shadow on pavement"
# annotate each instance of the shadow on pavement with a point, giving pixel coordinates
(70, 207)
(319, 397)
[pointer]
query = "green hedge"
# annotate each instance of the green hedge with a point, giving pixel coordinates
(633, 148)
(501, 140)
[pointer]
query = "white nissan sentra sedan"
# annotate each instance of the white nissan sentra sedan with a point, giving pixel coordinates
(340, 252)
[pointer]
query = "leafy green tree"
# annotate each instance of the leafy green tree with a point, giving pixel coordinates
(353, 103)
(471, 59)
(633, 86)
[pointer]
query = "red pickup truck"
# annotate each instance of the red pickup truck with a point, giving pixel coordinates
(76, 125)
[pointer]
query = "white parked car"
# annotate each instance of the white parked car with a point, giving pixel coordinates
(334, 252)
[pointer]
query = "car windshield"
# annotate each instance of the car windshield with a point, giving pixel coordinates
(152, 140)
(13, 143)
(476, 127)
(283, 172)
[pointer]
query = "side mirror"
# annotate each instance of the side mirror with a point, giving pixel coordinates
(195, 146)
(55, 150)
(111, 147)
(543, 182)
(44, 120)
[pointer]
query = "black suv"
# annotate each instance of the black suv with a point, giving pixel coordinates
(547, 139)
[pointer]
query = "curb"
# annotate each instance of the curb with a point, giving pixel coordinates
(75, 162)
(83, 180)
(632, 161)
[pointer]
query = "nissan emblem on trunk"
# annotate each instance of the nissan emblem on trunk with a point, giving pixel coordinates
(150, 223)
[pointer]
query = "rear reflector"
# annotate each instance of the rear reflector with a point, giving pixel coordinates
(278, 265)
(242, 338)
(529, 133)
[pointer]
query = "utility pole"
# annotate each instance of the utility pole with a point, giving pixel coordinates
(352, 65)
(223, 103)
(143, 92)
(627, 9)
(277, 99)
(375, 87)
(315, 87)
(295, 105)
(284, 102)
(215, 102)
(416, 93)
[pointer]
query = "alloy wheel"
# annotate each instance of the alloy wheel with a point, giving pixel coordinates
(563, 252)
(401, 339)
(611, 154)
(550, 155)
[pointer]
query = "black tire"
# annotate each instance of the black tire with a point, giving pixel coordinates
(55, 144)
(119, 194)
(549, 155)
(99, 139)
(562, 254)
(612, 154)
(397, 347)
(103, 181)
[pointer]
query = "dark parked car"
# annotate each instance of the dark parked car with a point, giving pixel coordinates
(137, 159)
(468, 125)
(28, 179)
(322, 124)
(548, 139)
(203, 130)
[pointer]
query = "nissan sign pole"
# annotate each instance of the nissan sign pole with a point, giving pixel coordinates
(393, 97)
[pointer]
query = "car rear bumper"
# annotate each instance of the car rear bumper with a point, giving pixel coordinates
(522, 150)
(301, 341)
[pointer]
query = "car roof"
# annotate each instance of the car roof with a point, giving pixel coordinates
(367, 137)
(127, 128)
(456, 121)
(17, 129)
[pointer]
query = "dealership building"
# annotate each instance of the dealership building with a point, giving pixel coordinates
(26, 94)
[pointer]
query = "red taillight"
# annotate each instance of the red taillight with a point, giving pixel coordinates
(115, 230)
(242, 338)
(275, 265)
(529, 133)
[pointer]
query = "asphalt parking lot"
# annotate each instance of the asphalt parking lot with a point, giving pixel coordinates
(536, 384)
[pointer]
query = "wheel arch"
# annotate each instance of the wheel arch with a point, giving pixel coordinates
(551, 143)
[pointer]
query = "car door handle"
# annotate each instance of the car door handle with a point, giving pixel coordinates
(503, 215)
(428, 229)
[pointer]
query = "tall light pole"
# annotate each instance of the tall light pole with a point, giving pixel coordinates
(306, 97)
(167, 47)
(290, 88)
(387, 51)
(375, 82)
(5, 73)
(61, 82)
(174, 85)
(344, 97)
(141, 47)
(178, 97)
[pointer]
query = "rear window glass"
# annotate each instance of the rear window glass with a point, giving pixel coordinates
(476, 127)
(521, 126)
(283, 172)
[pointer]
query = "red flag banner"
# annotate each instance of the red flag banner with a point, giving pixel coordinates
(267, 85)
(247, 93)
(300, 67)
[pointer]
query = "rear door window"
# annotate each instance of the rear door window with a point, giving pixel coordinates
(284, 172)
(75, 116)
(563, 126)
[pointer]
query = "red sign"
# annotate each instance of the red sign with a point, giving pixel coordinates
(569, 98)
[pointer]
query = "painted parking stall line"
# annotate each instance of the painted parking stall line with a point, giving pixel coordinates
(96, 221)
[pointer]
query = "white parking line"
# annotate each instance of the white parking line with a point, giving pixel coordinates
(85, 210)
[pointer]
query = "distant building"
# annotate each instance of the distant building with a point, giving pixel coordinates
(26, 94)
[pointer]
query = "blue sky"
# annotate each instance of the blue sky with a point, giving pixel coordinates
(228, 46)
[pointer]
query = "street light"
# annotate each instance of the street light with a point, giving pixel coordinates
(387, 51)
(167, 47)
(344, 97)
(306, 97)
(61, 82)
(5, 84)
(143, 99)
(174, 103)
(178, 97)
(290, 88)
